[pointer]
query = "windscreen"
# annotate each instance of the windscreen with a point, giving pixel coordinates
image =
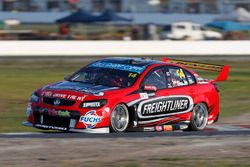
(108, 74)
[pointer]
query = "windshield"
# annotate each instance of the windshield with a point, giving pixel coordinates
(108, 74)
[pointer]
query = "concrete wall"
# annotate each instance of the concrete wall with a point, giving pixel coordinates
(116, 48)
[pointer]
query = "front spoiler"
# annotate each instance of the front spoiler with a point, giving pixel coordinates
(159, 128)
(97, 130)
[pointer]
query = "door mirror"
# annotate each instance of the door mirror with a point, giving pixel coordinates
(149, 88)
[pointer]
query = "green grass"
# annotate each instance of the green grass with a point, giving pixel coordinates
(20, 79)
(235, 92)
(184, 161)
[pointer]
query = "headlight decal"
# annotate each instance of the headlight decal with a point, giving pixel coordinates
(93, 104)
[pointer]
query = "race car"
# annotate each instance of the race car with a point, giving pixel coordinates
(126, 94)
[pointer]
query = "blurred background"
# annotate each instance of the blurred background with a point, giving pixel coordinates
(124, 19)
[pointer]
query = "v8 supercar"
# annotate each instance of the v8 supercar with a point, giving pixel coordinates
(121, 94)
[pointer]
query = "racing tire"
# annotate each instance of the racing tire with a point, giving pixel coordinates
(119, 119)
(199, 117)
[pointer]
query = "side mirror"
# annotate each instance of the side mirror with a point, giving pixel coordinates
(67, 77)
(149, 88)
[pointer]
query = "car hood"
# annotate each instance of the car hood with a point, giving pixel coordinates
(80, 87)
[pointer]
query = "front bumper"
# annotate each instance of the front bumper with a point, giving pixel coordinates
(96, 130)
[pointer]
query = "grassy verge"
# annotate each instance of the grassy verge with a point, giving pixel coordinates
(187, 162)
(19, 79)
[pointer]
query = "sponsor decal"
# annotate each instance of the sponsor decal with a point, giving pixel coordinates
(197, 65)
(180, 73)
(201, 80)
(54, 113)
(163, 120)
(165, 106)
(93, 104)
(106, 109)
(62, 96)
(132, 75)
(167, 128)
(158, 128)
(50, 127)
(124, 67)
(150, 88)
(144, 95)
(180, 126)
(90, 119)
(106, 112)
(47, 93)
(149, 129)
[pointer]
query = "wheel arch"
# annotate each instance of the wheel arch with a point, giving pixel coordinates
(201, 99)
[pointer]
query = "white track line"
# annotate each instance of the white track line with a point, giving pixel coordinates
(22, 133)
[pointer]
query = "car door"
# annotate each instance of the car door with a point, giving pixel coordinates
(153, 87)
(164, 100)
(180, 81)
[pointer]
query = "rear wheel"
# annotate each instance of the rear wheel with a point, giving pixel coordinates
(119, 119)
(199, 117)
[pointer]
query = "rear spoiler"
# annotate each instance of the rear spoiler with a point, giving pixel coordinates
(224, 70)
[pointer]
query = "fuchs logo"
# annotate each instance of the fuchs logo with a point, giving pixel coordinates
(57, 102)
(91, 119)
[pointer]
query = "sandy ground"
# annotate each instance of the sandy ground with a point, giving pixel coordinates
(154, 151)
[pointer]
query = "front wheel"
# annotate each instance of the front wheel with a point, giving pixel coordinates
(199, 117)
(119, 119)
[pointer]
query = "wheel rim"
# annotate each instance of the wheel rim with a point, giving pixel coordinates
(119, 118)
(200, 116)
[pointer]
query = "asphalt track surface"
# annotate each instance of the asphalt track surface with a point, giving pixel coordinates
(218, 130)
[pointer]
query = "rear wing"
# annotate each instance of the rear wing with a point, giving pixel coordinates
(224, 70)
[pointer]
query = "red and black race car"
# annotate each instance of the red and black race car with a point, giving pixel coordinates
(122, 94)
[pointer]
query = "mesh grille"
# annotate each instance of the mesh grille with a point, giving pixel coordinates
(63, 102)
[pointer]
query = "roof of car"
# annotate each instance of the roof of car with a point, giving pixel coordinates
(131, 61)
